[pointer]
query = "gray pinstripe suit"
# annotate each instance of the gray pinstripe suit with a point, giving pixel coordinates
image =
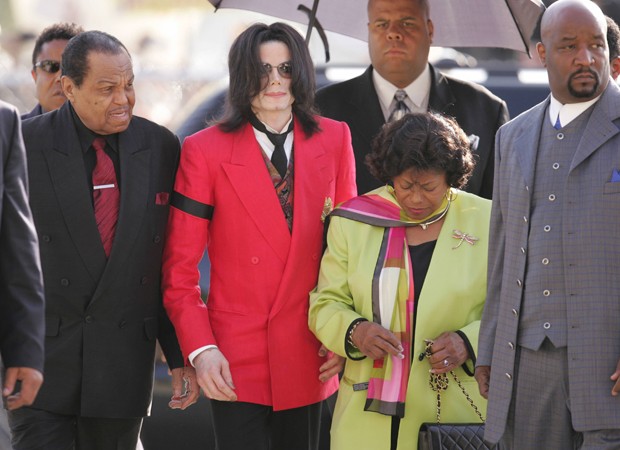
(590, 240)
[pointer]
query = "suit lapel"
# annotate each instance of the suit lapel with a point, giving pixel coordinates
(135, 173)
(250, 179)
(527, 143)
(310, 174)
(441, 98)
(68, 175)
(600, 127)
(364, 111)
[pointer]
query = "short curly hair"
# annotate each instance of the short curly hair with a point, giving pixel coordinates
(422, 142)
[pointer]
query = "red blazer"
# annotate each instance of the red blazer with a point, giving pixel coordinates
(261, 274)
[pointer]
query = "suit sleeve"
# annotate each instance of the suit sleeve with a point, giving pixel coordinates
(486, 187)
(332, 310)
(166, 333)
(186, 240)
(346, 187)
(22, 307)
(497, 242)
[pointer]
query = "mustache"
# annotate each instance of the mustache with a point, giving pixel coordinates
(585, 71)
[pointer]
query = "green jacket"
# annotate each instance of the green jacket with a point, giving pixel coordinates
(452, 299)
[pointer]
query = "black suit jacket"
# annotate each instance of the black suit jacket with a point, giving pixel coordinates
(475, 108)
(21, 283)
(102, 315)
(36, 111)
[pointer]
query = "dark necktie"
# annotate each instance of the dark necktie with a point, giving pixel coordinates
(557, 124)
(106, 195)
(401, 108)
(278, 158)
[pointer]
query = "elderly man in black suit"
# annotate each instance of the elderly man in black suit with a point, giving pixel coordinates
(400, 80)
(21, 283)
(100, 183)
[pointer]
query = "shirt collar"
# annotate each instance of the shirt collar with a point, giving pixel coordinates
(268, 146)
(569, 111)
(86, 136)
(417, 92)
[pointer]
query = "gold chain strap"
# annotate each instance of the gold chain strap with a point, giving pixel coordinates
(439, 382)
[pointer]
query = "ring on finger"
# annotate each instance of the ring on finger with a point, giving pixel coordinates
(446, 363)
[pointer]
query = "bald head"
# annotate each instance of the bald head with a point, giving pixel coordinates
(558, 9)
(574, 50)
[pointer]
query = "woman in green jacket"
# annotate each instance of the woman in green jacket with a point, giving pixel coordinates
(402, 287)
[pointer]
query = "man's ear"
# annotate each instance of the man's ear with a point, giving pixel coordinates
(68, 86)
(615, 67)
(542, 53)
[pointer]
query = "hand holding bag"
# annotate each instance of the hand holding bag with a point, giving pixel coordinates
(451, 436)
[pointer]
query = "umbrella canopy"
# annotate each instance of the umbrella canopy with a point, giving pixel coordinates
(458, 23)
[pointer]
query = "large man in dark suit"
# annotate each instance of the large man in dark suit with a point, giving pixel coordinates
(21, 284)
(400, 34)
(100, 255)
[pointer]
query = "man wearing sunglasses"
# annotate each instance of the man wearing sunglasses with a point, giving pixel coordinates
(45, 71)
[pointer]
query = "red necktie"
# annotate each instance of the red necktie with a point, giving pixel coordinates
(106, 196)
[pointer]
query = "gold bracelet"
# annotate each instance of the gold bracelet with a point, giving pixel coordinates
(350, 335)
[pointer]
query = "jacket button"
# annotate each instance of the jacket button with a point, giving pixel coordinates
(515, 313)
(508, 376)
(64, 282)
(144, 280)
(46, 238)
(546, 325)
(88, 319)
(511, 346)
(519, 283)
(157, 239)
(254, 260)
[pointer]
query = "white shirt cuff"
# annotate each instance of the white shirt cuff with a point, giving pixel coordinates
(196, 352)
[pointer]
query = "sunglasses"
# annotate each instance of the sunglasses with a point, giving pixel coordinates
(48, 66)
(285, 69)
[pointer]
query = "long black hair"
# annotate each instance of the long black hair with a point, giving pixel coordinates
(247, 75)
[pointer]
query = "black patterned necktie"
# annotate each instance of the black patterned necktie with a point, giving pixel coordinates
(401, 108)
(278, 157)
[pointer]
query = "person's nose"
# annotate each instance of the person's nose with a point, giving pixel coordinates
(274, 76)
(585, 56)
(121, 97)
(394, 32)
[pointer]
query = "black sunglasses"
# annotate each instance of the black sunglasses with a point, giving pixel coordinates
(48, 66)
(285, 69)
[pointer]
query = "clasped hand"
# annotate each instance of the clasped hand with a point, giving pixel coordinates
(448, 351)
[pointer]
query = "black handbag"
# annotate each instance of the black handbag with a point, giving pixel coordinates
(451, 436)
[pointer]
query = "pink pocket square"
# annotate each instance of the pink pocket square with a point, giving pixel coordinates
(162, 198)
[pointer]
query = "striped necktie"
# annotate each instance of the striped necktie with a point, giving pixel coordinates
(400, 108)
(106, 195)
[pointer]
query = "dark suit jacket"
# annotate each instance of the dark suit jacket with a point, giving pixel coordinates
(21, 283)
(476, 109)
(102, 315)
(36, 111)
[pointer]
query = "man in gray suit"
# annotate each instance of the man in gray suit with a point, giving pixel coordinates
(21, 283)
(550, 335)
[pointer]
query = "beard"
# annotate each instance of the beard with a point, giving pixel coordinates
(589, 93)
